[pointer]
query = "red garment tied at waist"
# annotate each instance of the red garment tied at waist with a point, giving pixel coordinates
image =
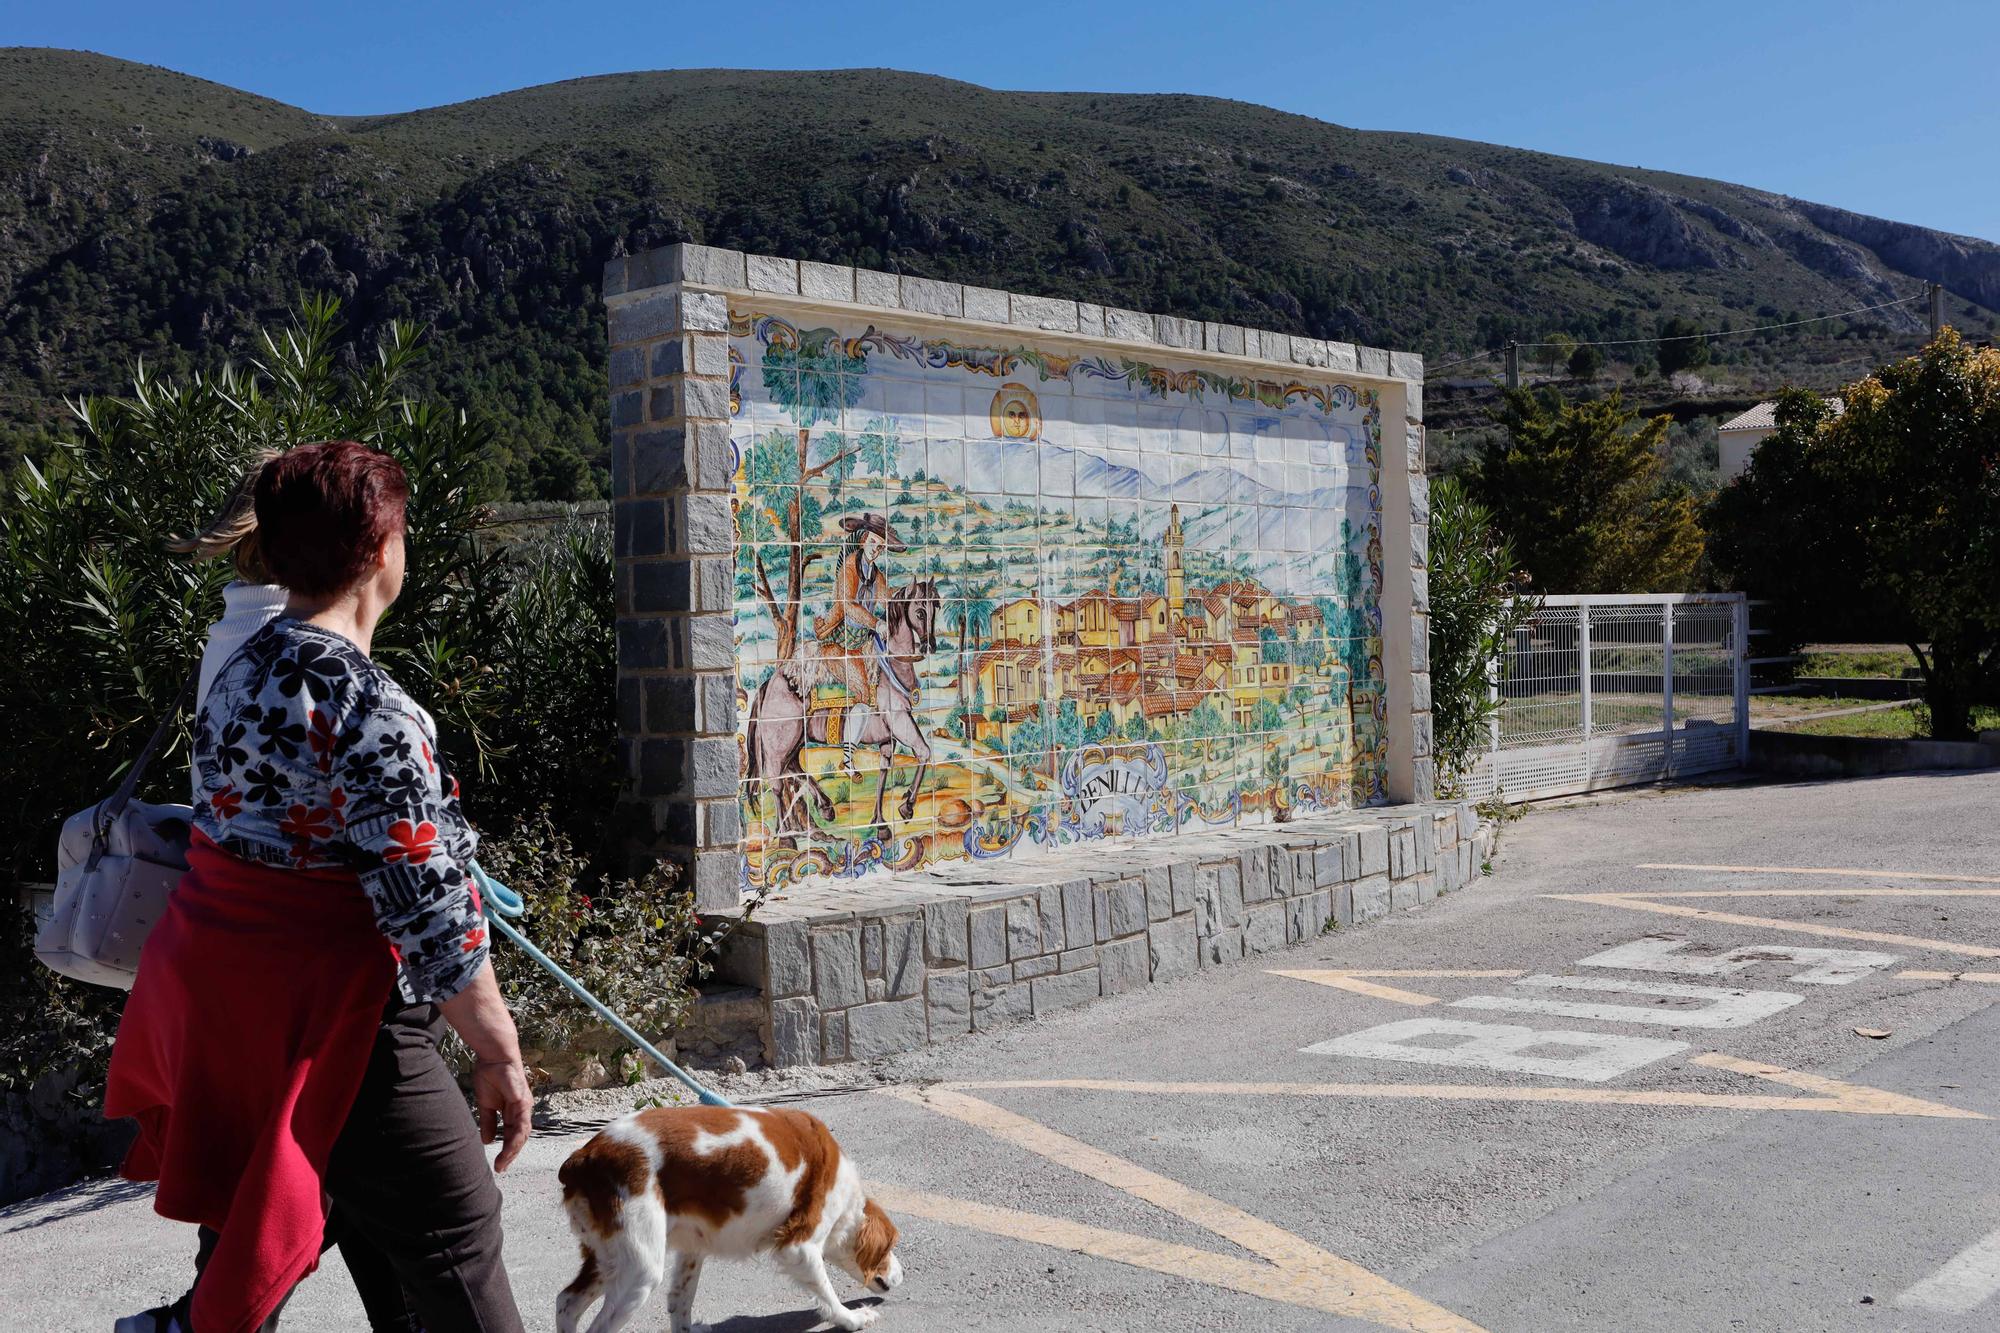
(242, 1046)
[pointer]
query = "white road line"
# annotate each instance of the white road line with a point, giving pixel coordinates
(1840, 872)
(1964, 1284)
(1724, 1008)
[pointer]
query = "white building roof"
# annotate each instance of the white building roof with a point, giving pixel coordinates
(1764, 416)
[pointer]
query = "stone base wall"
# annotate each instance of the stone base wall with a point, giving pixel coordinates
(853, 971)
(51, 1136)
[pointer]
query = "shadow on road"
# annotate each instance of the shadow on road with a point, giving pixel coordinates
(74, 1201)
(798, 1321)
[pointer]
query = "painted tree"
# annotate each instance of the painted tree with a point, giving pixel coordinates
(881, 445)
(1298, 699)
(814, 377)
(842, 457)
(1345, 615)
(1208, 724)
(971, 613)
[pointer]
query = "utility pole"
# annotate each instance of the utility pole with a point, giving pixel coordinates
(1937, 308)
(1513, 365)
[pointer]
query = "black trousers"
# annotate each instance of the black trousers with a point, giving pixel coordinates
(413, 1205)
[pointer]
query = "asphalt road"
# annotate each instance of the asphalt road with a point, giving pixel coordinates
(1180, 1158)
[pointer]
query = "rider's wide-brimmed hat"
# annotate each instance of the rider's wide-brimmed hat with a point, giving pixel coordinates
(876, 524)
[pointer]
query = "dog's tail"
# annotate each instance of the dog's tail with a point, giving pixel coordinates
(578, 1184)
(620, 1223)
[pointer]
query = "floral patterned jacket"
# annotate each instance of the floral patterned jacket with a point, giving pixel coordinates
(306, 754)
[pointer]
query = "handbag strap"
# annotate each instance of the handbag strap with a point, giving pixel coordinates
(107, 813)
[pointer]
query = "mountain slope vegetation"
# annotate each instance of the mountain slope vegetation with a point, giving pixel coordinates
(144, 212)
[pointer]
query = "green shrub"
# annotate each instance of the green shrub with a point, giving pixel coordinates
(548, 721)
(1474, 611)
(104, 624)
(637, 944)
(511, 647)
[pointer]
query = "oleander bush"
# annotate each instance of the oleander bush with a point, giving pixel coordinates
(506, 635)
(1476, 605)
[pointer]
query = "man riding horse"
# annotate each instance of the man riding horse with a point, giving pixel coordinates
(850, 633)
(871, 641)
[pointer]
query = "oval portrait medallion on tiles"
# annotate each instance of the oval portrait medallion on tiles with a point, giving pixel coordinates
(1016, 413)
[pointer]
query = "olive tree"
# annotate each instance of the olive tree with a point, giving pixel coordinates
(1882, 517)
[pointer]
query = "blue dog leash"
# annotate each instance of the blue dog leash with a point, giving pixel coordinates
(501, 902)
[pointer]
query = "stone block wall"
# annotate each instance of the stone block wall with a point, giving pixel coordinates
(854, 972)
(674, 531)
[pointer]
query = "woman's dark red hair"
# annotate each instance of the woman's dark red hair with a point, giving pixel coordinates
(324, 510)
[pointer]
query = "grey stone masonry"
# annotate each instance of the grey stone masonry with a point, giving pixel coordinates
(675, 537)
(854, 970)
(1409, 366)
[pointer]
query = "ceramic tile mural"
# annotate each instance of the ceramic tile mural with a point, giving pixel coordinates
(990, 597)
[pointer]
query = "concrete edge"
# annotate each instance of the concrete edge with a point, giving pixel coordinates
(844, 289)
(1792, 754)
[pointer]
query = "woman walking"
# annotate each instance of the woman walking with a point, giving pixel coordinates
(279, 1049)
(251, 601)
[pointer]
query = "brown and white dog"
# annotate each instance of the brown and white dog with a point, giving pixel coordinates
(729, 1182)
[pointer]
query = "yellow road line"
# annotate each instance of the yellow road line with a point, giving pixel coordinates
(1820, 870)
(1633, 903)
(1812, 893)
(1181, 1261)
(1314, 973)
(1854, 1098)
(1838, 1098)
(1348, 979)
(1915, 975)
(1299, 1272)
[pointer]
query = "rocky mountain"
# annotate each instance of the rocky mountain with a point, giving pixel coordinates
(144, 212)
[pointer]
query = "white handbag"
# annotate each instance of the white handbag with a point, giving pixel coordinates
(116, 864)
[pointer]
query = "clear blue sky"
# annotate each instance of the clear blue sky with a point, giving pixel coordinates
(1883, 108)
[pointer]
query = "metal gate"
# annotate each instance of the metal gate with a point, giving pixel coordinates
(1616, 690)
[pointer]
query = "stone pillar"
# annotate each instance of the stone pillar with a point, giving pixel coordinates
(675, 538)
(1406, 595)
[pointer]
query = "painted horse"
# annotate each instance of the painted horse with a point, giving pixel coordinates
(783, 720)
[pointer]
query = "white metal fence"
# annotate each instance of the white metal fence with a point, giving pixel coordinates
(1616, 690)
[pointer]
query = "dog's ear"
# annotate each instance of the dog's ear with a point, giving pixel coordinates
(874, 1240)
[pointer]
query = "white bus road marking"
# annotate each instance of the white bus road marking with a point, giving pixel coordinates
(1597, 1058)
(1724, 1008)
(1915, 975)
(1842, 873)
(1964, 1284)
(1834, 967)
(1358, 982)
(1294, 1270)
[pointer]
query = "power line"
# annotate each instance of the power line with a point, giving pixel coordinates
(1730, 333)
(1430, 370)
(1684, 337)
